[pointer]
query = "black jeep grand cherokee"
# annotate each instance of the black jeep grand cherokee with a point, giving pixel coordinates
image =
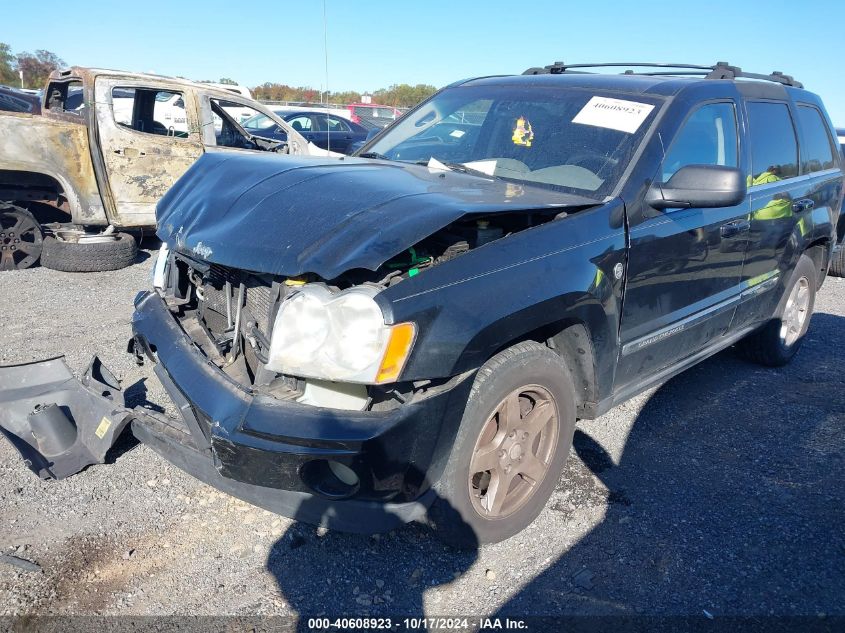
(358, 342)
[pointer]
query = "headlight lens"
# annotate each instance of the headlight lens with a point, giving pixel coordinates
(318, 334)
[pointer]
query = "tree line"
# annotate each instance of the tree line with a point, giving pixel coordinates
(37, 67)
(397, 95)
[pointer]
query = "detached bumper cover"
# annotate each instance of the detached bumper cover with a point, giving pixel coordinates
(87, 418)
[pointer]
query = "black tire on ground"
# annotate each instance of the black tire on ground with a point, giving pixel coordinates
(773, 345)
(92, 257)
(464, 513)
(837, 264)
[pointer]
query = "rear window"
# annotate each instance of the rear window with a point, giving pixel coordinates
(817, 147)
(774, 150)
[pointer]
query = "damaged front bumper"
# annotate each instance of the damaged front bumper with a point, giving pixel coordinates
(359, 471)
(356, 471)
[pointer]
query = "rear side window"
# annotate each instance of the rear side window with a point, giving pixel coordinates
(774, 150)
(817, 147)
(708, 137)
(65, 96)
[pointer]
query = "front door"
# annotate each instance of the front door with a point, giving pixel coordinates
(684, 265)
(149, 137)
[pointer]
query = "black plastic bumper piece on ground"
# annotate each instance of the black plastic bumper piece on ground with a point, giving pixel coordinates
(57, 423)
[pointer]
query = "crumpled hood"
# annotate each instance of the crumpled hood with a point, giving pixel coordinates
(289, 215)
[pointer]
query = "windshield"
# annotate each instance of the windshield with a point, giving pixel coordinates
(576, 140)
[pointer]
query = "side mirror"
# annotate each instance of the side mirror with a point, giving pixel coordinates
(373, 132)
(699, 186)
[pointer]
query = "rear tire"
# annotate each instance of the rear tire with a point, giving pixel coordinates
(837, 264)
(91, 257)
(21, 239)
(780, 339)
(514, 438)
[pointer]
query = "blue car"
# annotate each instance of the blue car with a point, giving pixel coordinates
(327, 131)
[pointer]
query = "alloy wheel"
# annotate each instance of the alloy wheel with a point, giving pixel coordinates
(513, 452)
(20, 239)
(796, 312)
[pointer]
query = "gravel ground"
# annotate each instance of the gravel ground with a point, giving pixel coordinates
(722, 491)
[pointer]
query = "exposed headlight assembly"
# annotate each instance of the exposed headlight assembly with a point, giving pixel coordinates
(159, 271)
(341, 337)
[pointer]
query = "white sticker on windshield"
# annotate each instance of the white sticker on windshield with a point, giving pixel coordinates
(616, 114)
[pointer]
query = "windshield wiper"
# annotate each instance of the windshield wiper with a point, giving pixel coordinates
(373, 155)
(459, 167)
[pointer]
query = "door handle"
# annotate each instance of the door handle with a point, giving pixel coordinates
(734, 228)
(130, 152)
(804, 204)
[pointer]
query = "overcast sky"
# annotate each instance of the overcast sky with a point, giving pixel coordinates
(372, 44)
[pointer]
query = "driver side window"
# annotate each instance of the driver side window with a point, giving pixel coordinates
(708, 137)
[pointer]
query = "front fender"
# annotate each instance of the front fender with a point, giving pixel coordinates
(566, 270)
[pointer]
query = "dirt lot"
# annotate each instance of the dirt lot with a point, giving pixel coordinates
(721, 492)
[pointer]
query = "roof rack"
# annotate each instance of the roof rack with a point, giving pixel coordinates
(721, 70)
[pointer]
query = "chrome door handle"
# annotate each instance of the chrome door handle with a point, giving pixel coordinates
(734, 228)
(804, 204)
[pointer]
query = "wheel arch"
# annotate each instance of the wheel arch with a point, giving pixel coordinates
(581, 335)
(37, 190)
(40, 188)
(819, 251)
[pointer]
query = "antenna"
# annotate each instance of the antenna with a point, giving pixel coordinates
(326, 53)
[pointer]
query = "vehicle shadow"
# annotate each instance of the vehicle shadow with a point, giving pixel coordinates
(135, 395)
(334, 574)
(728, 499)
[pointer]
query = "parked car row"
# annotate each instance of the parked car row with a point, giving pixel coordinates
(415, 330)
(327, 131)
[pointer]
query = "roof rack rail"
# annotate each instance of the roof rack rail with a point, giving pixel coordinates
(721, 70)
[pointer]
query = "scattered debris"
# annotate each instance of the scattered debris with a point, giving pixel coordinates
(491, 575)
(707, 614)
(21, 563)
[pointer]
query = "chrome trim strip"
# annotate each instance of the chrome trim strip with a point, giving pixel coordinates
(676, 327)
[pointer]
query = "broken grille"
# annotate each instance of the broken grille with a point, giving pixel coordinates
(257, 294)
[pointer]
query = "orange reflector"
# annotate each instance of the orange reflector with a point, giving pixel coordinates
(398, 349)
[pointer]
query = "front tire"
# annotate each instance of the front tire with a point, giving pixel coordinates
(514, 438)
(780, 339)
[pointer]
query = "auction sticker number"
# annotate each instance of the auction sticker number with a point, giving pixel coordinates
(614, 114)
(363, 624)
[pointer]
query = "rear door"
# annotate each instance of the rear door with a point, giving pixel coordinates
(684, 265)
(148, 137)
(790, 191)
(334, 132)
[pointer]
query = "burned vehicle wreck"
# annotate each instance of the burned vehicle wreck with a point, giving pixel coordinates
(416, 330)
